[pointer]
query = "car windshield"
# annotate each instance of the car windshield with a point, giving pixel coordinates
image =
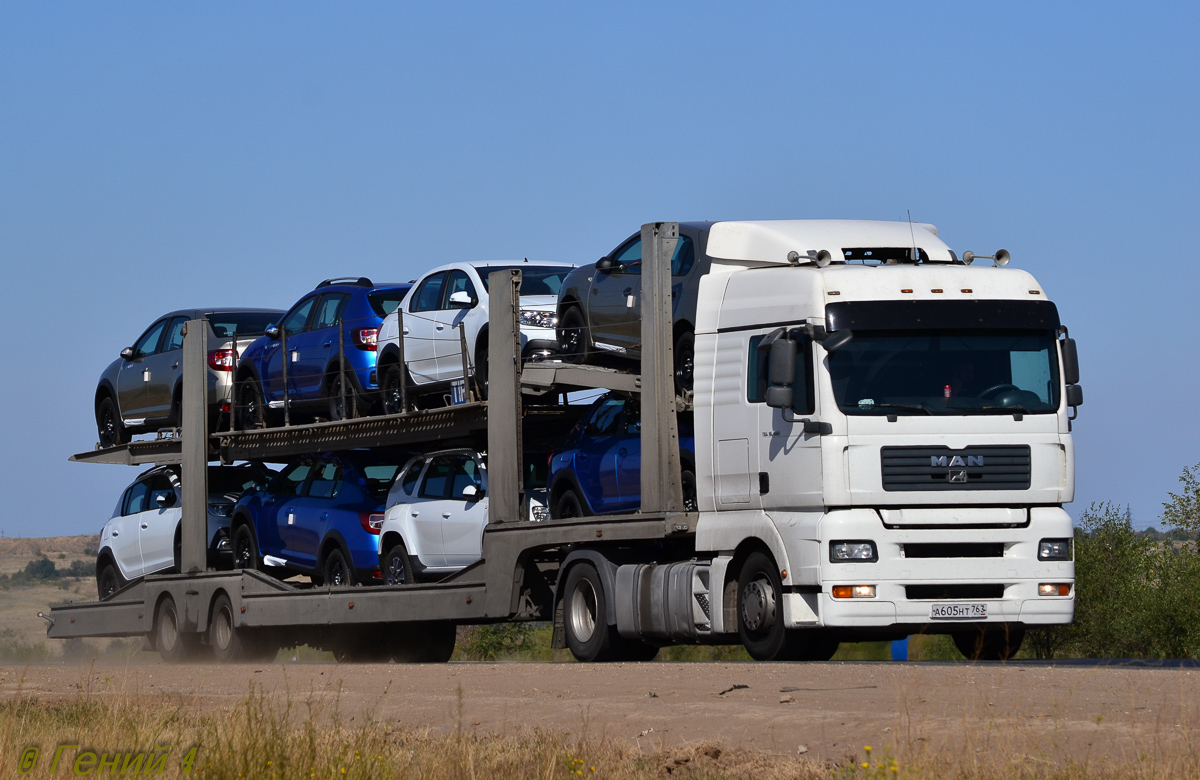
(247, 323)
(535, 279)
(946, 372)
(384, 302)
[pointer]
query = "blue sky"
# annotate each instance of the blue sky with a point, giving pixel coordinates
(156, 156)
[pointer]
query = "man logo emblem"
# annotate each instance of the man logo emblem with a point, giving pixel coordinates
(956, 461)
(958, 476)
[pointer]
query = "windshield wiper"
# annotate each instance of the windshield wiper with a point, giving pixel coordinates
(1007, 409)
(918, 407)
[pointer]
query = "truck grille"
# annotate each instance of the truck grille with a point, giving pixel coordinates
(952, 592)
(955, 550)
(1004, 467)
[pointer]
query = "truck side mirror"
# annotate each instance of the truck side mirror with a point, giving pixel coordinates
(781, 373)
(127, 353)
(272, 332)
(1074, 395)
(1070, 362)
(836, 340)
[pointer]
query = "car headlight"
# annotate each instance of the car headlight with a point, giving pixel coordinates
(1054, 550)
(220, 510)
(849, 552)
(538, 319)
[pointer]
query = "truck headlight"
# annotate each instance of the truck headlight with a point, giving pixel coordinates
(1054, 550)
(849, 552)
(538, 319)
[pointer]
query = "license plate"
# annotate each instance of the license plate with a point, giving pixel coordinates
(458, 392)
(958, 612)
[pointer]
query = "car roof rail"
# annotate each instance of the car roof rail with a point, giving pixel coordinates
(357, 281)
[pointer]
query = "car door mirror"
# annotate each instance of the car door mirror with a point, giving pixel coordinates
(462, 299)
(472, 493)
(272, 332)
(127, 353)
(605, 265)
(165, 500)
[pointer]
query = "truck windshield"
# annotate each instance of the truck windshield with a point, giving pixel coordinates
(952, 372)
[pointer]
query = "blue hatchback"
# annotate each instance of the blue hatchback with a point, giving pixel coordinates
(320, 516)
(299, 362)
(597, 468)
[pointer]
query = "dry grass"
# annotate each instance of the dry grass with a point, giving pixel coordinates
(310, 737)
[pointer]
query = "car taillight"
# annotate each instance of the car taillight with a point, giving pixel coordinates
(221, 360)
(366, 338)
(372, 522)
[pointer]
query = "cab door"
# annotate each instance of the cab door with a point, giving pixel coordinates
(132, 397)
(789, 457)
(614, 300)
(736, 429)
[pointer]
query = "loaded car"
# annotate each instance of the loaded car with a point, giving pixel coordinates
(454, 295)
(298, 362)
(599, 305)
(142, 536)
(142, 390)
(597, 468)
(320, 516)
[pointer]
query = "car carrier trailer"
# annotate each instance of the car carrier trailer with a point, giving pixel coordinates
(833, 504)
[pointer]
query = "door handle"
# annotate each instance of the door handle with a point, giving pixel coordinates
(175, 364)
(628, 291)
(439, 326)
(327, 344)
(622, 452)
(145, 525)
(145, 375)
(583, 456)
(445, 514)
(595, 291)
(415, 513)
(116, 533)
(406, 331)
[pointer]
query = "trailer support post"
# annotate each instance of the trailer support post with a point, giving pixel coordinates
(662, 489)
(194, 522)
(504, 397)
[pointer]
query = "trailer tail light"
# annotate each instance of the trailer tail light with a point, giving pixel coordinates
(854, 591)
(366, 338)
(1054, 589)
(372, 522)
(221, 360)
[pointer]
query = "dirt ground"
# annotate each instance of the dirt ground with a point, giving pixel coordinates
(829, 710)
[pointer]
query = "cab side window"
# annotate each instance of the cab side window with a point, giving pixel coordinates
(804, 396)
(429, 295)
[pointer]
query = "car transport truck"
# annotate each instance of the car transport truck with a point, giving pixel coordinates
(882, 447)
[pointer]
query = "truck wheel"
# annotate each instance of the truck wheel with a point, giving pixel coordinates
(173, 645)
(685, 362)
(585, 608)
(245, 550)
(812, 645)
(336, 572)
(393, 389)
(251, 411)
(231, 644)
(423, 643)
(568, 505)
(632, 650)
(109, 580)
(109, 427)
(760, 608)
(572, 336)
(991, 644)
(397, 568)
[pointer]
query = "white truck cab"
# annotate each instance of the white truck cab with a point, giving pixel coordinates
(888, 423)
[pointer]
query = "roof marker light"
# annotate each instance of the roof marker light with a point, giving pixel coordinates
(966, 290)
(936, 290)
(906, 291)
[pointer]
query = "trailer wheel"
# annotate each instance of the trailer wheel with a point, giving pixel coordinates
(760, 608)
(423, 643)
(397, 568)
(173, 645)
(109, 580)
(245, 550)
(231, 644)
(585, 610)
(991, 644)
(336, 572)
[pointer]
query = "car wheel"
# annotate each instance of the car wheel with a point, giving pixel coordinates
(691, 503)
(245, 548)
(685, 362)
(992, 644)
(339, 409)
(568, 505)
(173, 645)
(251, 410)
(108, 424)
(177, 551)
(108, 580)
(336, 571)
(481, 368)
(573, 336)
(760, 608)
(397, 568)
(393, 389)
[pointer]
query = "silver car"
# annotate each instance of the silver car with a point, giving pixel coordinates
(142, 390)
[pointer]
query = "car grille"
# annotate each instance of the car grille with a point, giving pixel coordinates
(954, 592)
(941, 468)
(952, 550)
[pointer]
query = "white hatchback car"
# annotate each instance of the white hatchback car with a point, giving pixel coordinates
(142, 536)
(453, 295)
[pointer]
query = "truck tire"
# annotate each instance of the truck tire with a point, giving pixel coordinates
(173, 645)
(336, 572)
(423, 643)
(760, 609)
(108, 580)
(397, 567)
(231, 644)
(991, 644)
(572, 336)
(109, 428)
(245, 548)
(585, 610)
(811, 645)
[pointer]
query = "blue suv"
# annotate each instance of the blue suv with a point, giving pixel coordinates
(597, 468)
(302, 348)
(321, 516)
